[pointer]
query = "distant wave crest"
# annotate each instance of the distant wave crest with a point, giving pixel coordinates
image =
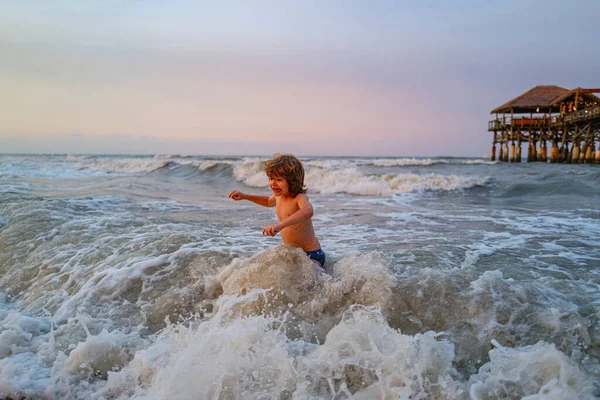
(120, 166)
(145, 165)
(405, 162)
(353, 181)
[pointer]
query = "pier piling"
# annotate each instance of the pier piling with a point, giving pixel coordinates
(554, 153)
(589, 154)
(576, 151)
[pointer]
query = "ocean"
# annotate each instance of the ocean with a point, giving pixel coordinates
(447, 278)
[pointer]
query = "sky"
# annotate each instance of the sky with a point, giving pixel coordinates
(335, 77)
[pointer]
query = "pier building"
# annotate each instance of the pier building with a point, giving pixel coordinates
(566, 121)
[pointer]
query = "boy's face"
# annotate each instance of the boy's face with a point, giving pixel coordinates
(279, 185)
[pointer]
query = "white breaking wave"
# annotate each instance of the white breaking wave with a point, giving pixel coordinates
(119, 165)
(330, 163)
(353, 181)
(391, 162)
(403, 162)
(139, 165)
(171, 156)
(252, 172)
(478, 162)
(79, 158)
(206, 164)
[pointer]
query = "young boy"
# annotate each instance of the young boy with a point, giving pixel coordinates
(286, 180)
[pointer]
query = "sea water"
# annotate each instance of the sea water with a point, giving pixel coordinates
(446, 278)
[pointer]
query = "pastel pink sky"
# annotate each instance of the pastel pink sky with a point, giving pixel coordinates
(313, 78)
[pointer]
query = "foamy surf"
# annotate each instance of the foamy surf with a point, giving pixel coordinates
(278, 328)
(250, 346)
(152, 283)
(252, 357)
(537, 372)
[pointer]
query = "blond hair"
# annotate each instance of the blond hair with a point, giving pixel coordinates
(290, 168)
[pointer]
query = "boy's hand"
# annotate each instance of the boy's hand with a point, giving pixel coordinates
(271, 230)
(236, 195)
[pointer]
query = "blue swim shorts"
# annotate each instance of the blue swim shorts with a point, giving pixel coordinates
(317, 255)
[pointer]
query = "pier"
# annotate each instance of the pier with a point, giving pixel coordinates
(566, 121)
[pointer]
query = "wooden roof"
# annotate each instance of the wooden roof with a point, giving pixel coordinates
(542, 97)
(571, 93)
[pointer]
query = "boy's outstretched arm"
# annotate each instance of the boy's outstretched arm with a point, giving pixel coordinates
(305, 212)
(264, 201)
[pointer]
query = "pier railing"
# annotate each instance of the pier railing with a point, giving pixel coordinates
(582, 115)
(506, 123)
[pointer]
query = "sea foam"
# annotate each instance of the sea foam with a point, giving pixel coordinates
(538, 372)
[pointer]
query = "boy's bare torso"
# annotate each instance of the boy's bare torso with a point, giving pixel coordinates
(301, 234)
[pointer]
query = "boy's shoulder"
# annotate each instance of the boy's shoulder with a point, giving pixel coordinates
(302, 197)
(297, 198)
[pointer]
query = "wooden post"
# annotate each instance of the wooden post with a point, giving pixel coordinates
(529, 142)
(540, 148)
(560, 154)
(597, 159)
(562, 157)
(505, 150)
(544, 157)
(571, 155)
(586, 143)
(512, 152)
(501, 143)
(592, 148)
(589, 155)
(576, 152)
(554, 153)
(582, 153)
(518, 152)
(493, 158)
